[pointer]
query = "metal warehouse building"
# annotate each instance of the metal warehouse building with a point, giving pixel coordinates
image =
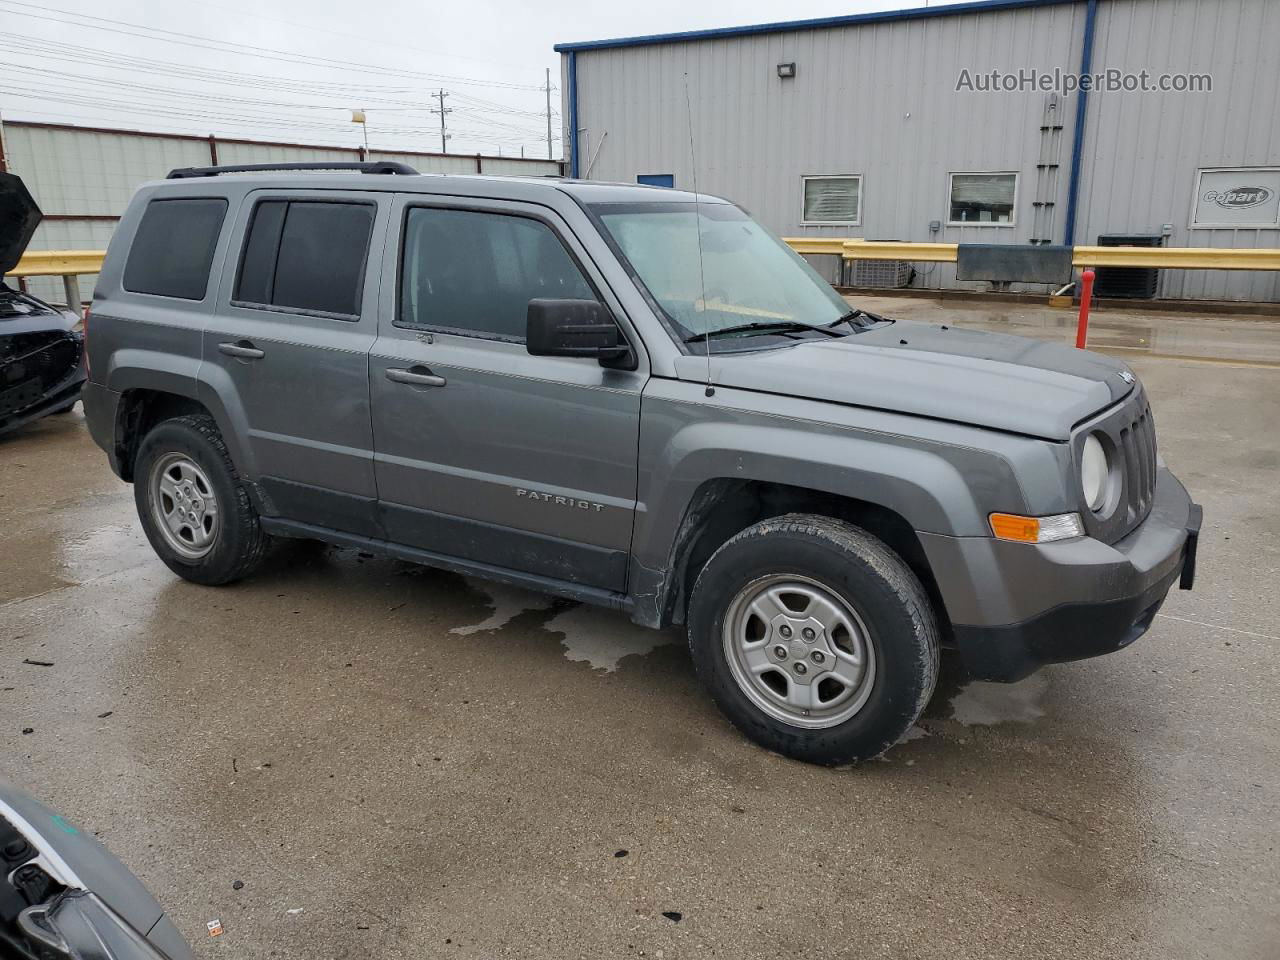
(878, 126)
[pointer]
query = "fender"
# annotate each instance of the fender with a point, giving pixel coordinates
(136, 369)
(934, 485)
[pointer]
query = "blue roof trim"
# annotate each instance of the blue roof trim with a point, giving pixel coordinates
(790, 26)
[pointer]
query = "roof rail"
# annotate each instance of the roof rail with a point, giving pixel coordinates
(379, 166)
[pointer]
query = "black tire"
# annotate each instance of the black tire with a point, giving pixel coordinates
(240, 542)
(869, 577)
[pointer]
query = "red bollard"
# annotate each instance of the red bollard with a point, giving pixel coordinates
(1086, 295)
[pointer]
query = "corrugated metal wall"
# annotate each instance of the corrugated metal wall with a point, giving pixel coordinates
(1142, 150)
(232, 152)
(880, 100)
(83, 178)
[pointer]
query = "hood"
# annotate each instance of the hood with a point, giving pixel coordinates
(19, 217)
(992, 380)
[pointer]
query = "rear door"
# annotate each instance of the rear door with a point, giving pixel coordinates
(290, 342)
(484, 452)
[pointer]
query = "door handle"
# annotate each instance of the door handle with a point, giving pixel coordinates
(415, 377)
(242, 349)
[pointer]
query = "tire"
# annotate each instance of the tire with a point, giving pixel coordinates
(220, 545)
(875, 631)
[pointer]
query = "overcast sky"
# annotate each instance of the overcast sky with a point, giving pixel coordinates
(294, 69)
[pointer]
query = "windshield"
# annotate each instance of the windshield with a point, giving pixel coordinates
(747, 276)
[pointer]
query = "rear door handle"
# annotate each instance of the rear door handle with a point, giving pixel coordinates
(415, 377)
(242, 349)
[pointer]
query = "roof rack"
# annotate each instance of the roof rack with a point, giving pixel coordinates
(380, 166)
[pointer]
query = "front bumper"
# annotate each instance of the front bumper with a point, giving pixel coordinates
(61, 396)
(1016, 607)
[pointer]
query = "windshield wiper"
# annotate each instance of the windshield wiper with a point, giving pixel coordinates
(763, 326)
(852, 316)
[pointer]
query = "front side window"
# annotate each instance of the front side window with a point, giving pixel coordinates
(742, 275)
(832, 200)
(173, 248)
(306, 255)
(982, 199)
(475, 273)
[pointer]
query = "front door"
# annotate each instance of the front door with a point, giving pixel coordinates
(483, 452)
(290, 340)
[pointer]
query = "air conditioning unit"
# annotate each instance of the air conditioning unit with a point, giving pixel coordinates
(1131, 283)
(894, 274)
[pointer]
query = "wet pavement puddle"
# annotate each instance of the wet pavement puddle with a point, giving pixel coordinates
(599, 637)
(507, 603)
(986, 704)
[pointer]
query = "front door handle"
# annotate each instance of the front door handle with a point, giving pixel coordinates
(415, 377)
(242, 349)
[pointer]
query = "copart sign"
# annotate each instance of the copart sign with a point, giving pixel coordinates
(1239, 197)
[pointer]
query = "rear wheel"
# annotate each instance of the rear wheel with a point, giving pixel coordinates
(193, 508)
(814, 638)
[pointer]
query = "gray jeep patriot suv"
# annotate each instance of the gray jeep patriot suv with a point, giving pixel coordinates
(633, 397)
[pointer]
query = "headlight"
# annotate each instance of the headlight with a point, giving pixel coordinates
(1095, 471)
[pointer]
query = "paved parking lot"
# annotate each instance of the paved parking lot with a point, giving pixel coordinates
(400, 762)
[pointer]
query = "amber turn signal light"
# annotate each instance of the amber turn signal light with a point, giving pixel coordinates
(1011, 526)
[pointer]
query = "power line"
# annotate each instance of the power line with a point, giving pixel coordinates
(503, 123)
(346, 35)
(139, 90)
(486, 112)
(196, 116)
(241, 49)
(197, 108)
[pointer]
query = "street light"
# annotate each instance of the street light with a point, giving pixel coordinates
(357, 116)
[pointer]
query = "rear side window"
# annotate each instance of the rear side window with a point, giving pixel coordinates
(476, 272)
(173, 248)
(306, 255)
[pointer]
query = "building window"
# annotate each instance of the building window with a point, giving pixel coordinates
(830, 200)
(982, 199)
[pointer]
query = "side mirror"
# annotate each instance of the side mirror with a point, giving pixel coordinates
(574, 328)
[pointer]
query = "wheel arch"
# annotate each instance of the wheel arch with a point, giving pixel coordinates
(141, 408)
(722, 507)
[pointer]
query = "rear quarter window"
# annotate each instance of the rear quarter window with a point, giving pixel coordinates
(172, 250)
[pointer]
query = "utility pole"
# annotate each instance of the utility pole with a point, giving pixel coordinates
(548, 113)
(3, 163)
(442, 111)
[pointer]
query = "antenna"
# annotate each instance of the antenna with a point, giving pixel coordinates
(697, 222)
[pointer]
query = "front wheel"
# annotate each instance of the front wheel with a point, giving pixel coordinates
(814, 638)
(192, 505)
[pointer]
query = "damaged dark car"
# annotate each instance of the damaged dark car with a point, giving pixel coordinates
(63, 896)
(41, 351)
